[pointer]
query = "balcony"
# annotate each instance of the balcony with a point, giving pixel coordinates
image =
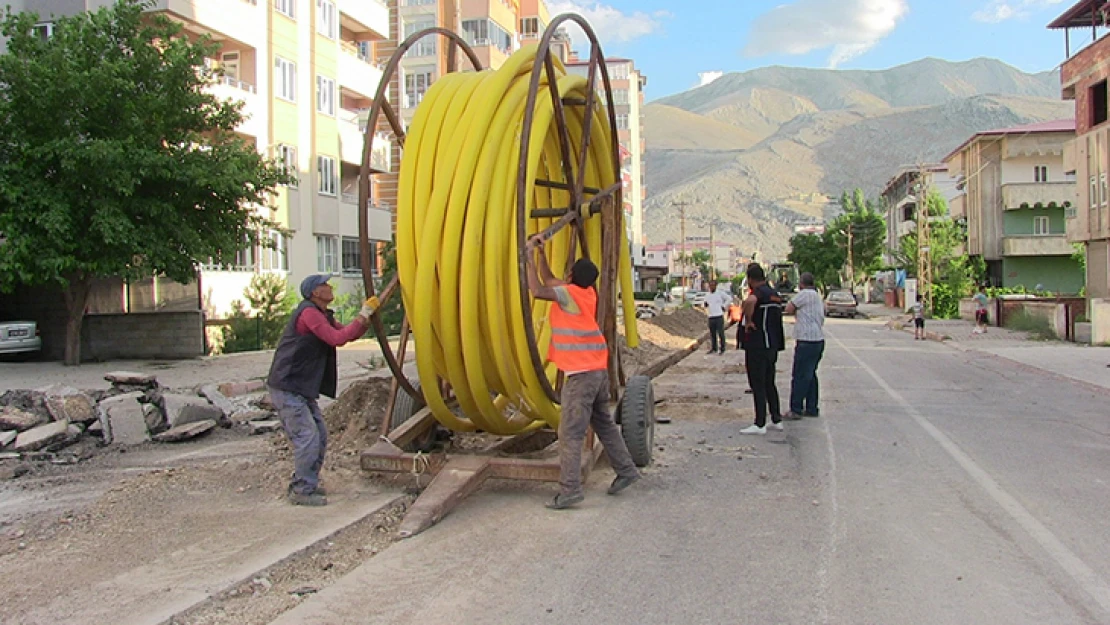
(1031, 194)
(365, 17)
(254, 111)
(241, 20)
(1042, 245)
(357, 72)
(381, 218)
(352, 125)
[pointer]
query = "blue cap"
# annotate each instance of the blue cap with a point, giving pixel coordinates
(309, 284)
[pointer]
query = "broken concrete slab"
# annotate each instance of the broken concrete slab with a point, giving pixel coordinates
(235, 389)
(185, 432)
(12, 418)
(131, 378)
(126, 421)
(182, 409)
(6, 437)
(96, 427)
(67, 403)
(244, 416)
(42, 436)
(217, 399)
(265, 427)
(155, 419)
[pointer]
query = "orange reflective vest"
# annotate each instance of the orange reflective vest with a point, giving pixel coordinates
(735, 313)
(577, 343)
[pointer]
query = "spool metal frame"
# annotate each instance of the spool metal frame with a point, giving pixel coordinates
(468, 472)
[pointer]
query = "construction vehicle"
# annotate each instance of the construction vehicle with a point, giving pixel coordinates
(784, 278)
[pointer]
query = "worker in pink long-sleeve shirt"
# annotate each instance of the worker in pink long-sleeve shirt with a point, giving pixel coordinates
(305, 367)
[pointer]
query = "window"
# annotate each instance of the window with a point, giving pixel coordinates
(285, 79)
(244, 259)
(325, 95)
(622, 121)
(620, 96)
(276, 257)
(1092, 200)
(417, 3)
(1098, 102)
(619, 71)
(530, 27)
(352, 256)
(427, 45)
(287, 154)
(416, 85)
(1040, 225)
(288, 8)
(486, 32)
(43, 30)
(326, 18)
(329, 183)
(327, 254)
(1102, 195)
(1040, 173)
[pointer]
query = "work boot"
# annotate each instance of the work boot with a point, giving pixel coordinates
(314, 500)
(622, 482)
(562, 502)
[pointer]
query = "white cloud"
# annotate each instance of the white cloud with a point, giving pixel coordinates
(611, 24)
(848, 27)
(1001, 10)
(704, 78)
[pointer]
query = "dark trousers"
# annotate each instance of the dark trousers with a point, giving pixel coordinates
(585, 402)
(803, 383)
(761, 377)
(717, 334)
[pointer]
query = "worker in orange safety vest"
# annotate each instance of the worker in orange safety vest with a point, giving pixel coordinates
(578, 348)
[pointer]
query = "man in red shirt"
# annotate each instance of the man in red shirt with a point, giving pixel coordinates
(578, 348)
(305, 367)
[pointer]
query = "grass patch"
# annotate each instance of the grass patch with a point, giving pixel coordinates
(1036, 327)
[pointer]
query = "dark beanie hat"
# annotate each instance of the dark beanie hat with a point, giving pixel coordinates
(584, 273)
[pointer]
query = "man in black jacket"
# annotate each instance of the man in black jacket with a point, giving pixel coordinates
(763, 339)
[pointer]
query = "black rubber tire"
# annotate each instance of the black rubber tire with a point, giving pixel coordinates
(637, 419)
(405, 406)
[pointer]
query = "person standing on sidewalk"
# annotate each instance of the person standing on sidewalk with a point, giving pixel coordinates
(809, 346)
(716, 303)
(305, 367)
(981, 317)
(919, 320)
(579, 349)
(763, 340)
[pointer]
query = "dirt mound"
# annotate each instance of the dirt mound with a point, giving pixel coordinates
(355, 417)
(685, 322)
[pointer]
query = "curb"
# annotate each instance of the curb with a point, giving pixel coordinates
(1094, 388)
(218, 593)
(659, 366)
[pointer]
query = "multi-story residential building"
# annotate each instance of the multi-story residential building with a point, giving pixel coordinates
(628, 85)
(1015, 195)
(725, 258)
(306, 73)
(899, 198)
(1083, 78)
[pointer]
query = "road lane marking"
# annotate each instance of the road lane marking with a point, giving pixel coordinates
(1083, 575)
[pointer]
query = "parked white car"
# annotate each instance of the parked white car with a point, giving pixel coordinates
(19, 337)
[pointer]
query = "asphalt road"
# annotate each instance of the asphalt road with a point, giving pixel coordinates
(938, 487)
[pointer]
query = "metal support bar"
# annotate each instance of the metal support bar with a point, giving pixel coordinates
(562, 186)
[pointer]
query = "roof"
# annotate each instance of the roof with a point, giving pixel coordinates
(607, 61)
(1058, 125)
(1081, 15)
(913, 170)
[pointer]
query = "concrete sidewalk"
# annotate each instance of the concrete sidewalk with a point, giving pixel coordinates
(354, 361)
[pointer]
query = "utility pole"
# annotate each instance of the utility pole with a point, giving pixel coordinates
(924, 262)
(682, 208)
(712, 255)
(851, 261)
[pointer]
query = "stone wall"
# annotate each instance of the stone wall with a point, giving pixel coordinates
(132, 336)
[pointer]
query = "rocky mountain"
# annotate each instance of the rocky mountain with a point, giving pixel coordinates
(754, 153)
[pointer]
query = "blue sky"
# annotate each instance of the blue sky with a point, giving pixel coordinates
(673, 41)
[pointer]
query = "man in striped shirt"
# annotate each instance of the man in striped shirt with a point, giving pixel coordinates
(809, 346)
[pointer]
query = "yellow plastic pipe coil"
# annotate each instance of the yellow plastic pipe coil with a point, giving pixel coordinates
(457, 239)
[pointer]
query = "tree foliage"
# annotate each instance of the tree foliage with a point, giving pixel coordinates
(114, 158)
(271, 303)
(820, 254)
(826, 255)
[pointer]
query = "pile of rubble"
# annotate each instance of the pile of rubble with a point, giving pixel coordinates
(135, 410)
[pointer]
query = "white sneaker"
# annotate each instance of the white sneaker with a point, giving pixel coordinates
(775, 426)
(753, 429)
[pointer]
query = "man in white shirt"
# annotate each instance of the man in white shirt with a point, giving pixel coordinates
(809, 346)
(716, 303)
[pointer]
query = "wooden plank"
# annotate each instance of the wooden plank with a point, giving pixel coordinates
(410, 430)
(461, 476)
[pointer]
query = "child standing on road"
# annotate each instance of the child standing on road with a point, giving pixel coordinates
(981, 318)
(918, 320)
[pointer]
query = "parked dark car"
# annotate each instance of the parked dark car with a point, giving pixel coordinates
(841, 304)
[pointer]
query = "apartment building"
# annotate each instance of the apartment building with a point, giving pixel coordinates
(628, 85)
(1015, 196)
(307, 74)
(899, 198)
(1083, 78)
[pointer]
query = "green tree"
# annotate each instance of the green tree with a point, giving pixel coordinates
(115, 160)
(701, 260)
(954, 273)
(864, 227)
(820, 254)
(271, 304)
